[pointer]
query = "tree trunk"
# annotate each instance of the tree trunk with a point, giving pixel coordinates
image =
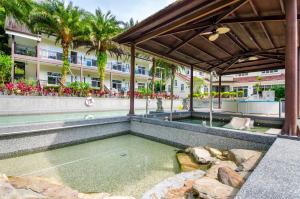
(101, 62)
(65, 68)
(153, 78)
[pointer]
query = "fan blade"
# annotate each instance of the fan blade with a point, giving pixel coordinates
(214, 37)
(223, 30)
(206, 33)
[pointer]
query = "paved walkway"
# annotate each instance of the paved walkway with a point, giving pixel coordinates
(277, 175)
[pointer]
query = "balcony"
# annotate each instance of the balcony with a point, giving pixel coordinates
(25, 50)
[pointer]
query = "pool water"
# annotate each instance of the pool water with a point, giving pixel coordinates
(124, 165)
(219, 123)
(37, 118)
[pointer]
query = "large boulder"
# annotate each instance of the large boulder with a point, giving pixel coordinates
(201, 155)
(7, 191)
(241, 155)
(213, 171)
(186, 162)
(208, 188)
(43, 187)
(181, 193)
(230, 177)
(251, 163)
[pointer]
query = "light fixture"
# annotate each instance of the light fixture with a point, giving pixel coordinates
(253, 58)
(213, 37)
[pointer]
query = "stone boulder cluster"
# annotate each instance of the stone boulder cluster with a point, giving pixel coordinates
(42, 188)
(225, 172)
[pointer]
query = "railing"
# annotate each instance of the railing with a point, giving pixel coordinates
(74, 59)
(25, 50)
(55, 55)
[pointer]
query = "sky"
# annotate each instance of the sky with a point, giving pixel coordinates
(125, 9)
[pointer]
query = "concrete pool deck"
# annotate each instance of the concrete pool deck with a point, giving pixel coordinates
(278, 169)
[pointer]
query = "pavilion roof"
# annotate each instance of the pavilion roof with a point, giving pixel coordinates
(257, 28)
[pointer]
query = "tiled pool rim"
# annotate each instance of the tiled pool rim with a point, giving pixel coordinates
(31, 138)
(172, 133)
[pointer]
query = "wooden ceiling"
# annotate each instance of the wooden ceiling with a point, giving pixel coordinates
(175, 33)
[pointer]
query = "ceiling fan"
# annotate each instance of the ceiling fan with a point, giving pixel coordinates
(215, 34)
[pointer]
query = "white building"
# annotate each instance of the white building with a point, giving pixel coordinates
(245, 82)
(40, 58)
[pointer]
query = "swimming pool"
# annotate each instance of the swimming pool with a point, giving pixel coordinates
(124, 165)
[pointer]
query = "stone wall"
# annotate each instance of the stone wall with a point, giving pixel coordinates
(12, 105)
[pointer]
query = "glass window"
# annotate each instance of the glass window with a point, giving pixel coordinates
(95, 82)
(141, 70)
(19, 70)
(270, 71)
(141, 85)
(117, 84)
(53, 78)
(175, 83)
(182, 87)
(243, 74)
(242, 88)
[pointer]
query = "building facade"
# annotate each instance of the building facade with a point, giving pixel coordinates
(38, 57)
(246, 82)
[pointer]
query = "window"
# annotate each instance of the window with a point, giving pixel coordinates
(141, 70)
(141, 86)
(169, 88)
(242, 88)
(175, 83)
(243, 74)
(269, 71)
(95, 82)
(117, 66)
(53, 78)
(182, 87)
(117, 84)
(266, 88)
(200, 73)
(19, 70)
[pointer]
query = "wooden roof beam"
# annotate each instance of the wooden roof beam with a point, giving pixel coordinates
(194, 58)
(208, 10)
(262, 25)
(192, 45)
(219, 18)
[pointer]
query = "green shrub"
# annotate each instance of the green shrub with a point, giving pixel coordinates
(279, 92)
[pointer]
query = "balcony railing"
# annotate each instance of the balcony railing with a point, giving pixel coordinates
(25, 50)
(55, 55)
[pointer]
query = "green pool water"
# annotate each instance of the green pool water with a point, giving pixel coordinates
(124, 165)
(37, 118)
(219, 123)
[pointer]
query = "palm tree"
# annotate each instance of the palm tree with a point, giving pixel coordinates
(18, 9)
(66, 23)
(102, 27)
(129, 24)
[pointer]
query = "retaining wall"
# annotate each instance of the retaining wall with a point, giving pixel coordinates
(14, 105)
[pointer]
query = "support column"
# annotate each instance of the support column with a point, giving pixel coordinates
(132, 81)
(172, 91)
(192, 89)
(210, 99)
(220, 86)
(81, 69)
(153, 78)
(291, 69)
(298, 78)
(38, 70)
(13, 58)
